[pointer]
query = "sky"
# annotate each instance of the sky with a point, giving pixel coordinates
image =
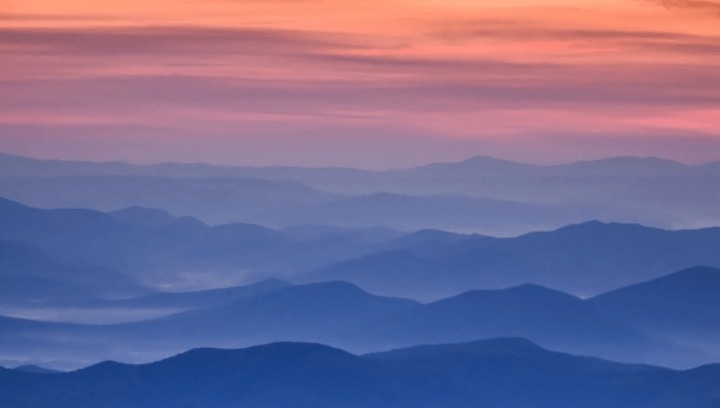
(372, 84)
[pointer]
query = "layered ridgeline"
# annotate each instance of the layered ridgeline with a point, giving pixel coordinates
(584, 259)
(156, 249)
(500, 372)
(30, 275)
(481, 195)
(76, 266)
(683, 307)
(342, 315)
(138, 248)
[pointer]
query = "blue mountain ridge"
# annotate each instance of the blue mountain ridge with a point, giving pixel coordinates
(498, 372)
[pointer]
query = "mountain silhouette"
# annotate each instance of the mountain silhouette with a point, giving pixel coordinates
(583, 259)
(645, 190)
(31, 368)
(499, 372)
(30, 275)
(683, 306)
(160, 250)
(341, 315)
(550, 318)
(332, 312)
(455, 212)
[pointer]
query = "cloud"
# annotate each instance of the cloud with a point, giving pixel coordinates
(213, 79)
(613, 40)
(132, 83)
(700, 5)
(208, 101)
(171, 40)
(46, 18)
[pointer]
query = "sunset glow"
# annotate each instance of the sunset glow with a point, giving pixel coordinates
(331, 82)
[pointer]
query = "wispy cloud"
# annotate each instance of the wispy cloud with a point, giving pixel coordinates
(17, 17)
(172, 40)
(158, 76)
(701, 5)
(277, 70)
(608, 40)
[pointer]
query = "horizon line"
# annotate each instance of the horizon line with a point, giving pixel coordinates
(365, 169)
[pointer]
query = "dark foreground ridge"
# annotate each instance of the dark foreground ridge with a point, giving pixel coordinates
(507, 372)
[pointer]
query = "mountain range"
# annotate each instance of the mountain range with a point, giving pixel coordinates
(143, 249)
(584, 259)
(500, 372)
(152, 248)
(683, 307)
(135, 263)
(482, 194)
(342, 315)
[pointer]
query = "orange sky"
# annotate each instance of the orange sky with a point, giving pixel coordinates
(329, 82)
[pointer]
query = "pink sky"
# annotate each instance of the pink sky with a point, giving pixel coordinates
(360, 83)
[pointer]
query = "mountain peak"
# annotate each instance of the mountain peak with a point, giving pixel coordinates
(486, 160)
(503, 345)
(35, 369)
(596, 226)
(500, 346)
(337, 288)
(534, 289)
(272, 354)
(525, 295)
(482, 164)
(281, 346)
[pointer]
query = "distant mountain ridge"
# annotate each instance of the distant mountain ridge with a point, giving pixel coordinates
(499, 372)
(584, 259)
(34, 369)
(342, 315)
(58, 249)
(499, 197)
(683, 306)
(553, 319)
(30, 167)
(156, 248)
(30, 275)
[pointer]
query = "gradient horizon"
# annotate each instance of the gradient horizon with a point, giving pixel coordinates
(365, 84)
